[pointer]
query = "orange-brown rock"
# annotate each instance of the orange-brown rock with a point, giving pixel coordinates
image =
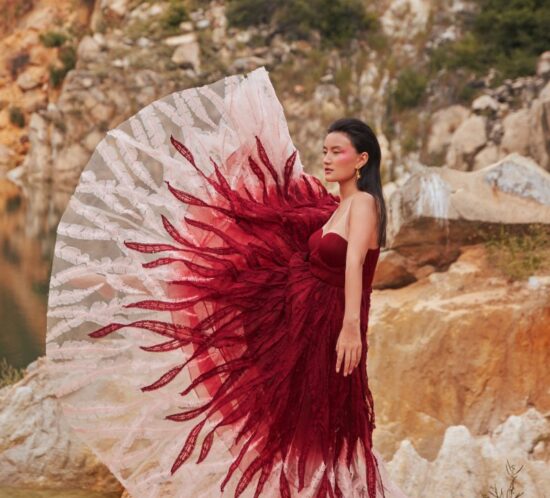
(464, 346)
(25, 61)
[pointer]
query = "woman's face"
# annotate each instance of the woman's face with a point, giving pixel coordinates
(340, 159)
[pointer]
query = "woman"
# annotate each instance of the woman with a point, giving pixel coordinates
(195, 223)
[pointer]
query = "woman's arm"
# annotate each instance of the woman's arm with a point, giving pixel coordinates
(362, 222)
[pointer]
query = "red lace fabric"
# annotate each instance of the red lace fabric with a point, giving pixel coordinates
(268, 313)
(194, 309)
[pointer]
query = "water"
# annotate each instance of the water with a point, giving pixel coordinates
(27, 238)
(54, 493)
(26, 247)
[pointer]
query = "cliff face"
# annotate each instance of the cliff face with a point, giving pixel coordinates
(459, 334)
(462, 346)
(70, 74)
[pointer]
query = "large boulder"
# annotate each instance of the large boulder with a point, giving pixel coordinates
(440, 209)
(38, 450)
(540, 128)
(443, 124)
(468, 139)
(516, 132)
(463, 346)
(467, 466)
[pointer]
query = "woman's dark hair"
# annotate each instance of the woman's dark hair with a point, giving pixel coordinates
(364, 140)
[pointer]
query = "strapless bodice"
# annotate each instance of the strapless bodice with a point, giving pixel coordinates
(327, 258)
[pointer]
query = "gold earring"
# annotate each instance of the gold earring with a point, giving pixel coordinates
(357, 174)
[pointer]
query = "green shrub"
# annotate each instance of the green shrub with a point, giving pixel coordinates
(410, 88)
(518, 255)
(175, 14)
(337, 21)
(57, 74)
(52, 39)
(508, 35)
(17, 63)
(17, 117)
(245, 13)
(9, 374)
(67, 55)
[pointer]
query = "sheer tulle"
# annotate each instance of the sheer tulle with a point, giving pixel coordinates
(192, 319)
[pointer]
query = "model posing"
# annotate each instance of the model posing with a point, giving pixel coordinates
(209, 302)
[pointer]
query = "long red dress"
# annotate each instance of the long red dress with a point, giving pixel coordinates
(195, 305)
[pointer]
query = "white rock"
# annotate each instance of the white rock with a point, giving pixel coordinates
(444, 123)
(155, 9)
(522, 178)
(514, 190)
(122, 63)
(405, 18)
(88, 49)
(533, 282)
(186, 26)
(468, 466)
(469, 138)
(173, 41)
(38, 449)
(99, 38)
(16, 174)
(6, 157)
(31, 77)
(188, 53)
(243, 36)
(37, 163)
(488, 155)
(119, 7)
(485, 103)
(539, 124)
(517, 132)
(203, 23)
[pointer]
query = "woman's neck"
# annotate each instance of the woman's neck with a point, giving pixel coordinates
(347, 189)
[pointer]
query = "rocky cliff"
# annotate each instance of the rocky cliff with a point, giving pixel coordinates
(459, 334)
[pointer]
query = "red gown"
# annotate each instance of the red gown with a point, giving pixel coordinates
(192, 331)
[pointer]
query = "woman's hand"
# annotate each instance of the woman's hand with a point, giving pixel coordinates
(348, 347)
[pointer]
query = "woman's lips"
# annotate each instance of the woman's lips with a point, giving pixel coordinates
(327, 170)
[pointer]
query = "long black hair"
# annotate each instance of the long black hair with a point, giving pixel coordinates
(364, 140)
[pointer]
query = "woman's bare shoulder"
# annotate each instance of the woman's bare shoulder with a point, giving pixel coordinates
(363, 200)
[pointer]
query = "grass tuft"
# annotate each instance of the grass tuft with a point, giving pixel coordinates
(519, 255)
(17, 117)
(53, 39)
(9, 374)
(512, 475)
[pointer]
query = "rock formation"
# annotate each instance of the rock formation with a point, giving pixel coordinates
(438, 210)
(467, 466)
(459, 350)
(514, 117)
(37, 449)
(464, 346)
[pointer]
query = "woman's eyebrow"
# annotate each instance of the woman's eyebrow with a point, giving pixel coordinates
(333, 147)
